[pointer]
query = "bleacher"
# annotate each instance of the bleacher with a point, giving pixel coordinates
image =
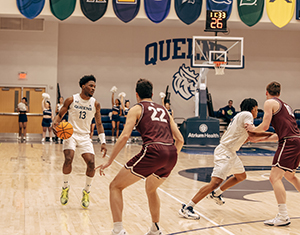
(106, 122)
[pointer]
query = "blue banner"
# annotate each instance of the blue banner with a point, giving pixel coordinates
(220, 5)
(157, 10)
(126, 10)
(30, 8)
(188, 11)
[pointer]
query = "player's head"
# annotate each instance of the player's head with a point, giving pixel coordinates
(230, 102)
(273, 88)
(117, 102)
(48, 104)
(88, 85)
(167, 105)
(144, 88)
(24, 99)
(250, 105)
(61, 99)
(127, 103)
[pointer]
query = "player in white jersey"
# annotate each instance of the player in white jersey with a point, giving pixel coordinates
(82, 108)
(226, 161)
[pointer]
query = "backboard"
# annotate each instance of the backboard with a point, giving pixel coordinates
(207, 50)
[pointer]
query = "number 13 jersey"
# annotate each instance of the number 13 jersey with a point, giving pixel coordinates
(154, 124)
(81, 113)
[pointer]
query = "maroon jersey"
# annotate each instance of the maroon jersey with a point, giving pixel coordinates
(154, 124)
(284, 121)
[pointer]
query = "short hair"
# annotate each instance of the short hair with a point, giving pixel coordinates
(85, 79)
(144, 88)
(230, 101)
(274, 88)
(248, 104)
(24, 98)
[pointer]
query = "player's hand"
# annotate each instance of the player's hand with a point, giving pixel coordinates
(53, 126)
(249, 127)
(103, 150)
(102, 167)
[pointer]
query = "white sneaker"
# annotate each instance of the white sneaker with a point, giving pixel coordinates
(188, 213)
(218, 199)
(123, 232)
(158, 232)
(43, 140)
(279, 220)
(50, 140)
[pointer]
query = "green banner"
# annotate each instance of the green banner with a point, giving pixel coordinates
(62, 9)
(250, 11)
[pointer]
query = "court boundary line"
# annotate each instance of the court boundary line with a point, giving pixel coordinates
(203, 216)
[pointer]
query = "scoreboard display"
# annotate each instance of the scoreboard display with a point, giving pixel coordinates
(216, 21)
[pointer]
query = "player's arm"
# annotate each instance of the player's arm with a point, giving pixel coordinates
(256, 137)
(268, 113)
(122, 102)
(100, 128)
(132, 117)
(62, 112)
(176, 135)
(112, 99)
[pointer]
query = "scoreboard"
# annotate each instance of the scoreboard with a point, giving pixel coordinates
(216, 21)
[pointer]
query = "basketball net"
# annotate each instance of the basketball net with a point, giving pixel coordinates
(219, 67)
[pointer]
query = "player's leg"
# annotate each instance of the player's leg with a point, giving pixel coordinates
(20, 130)
(290, 176)
(187, 211)
(113, 125)
(276, 180)
(118, 130)
(44, 133)
(67, 168)
(50, 133)
(122, 180)
(24, 129)
(235, 179)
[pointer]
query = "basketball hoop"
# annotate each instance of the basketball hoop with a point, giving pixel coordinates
(219, 67)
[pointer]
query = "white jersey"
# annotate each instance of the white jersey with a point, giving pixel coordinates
(236, 134)
(81, 113)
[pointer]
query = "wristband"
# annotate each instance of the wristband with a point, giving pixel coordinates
(101, 137)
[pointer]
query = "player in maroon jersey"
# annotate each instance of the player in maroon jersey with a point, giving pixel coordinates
(287, 157)
(155, 161)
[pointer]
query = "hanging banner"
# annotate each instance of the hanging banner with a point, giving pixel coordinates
(93, 9)
(30, 8)
(188, 11)
(250, 11)
(157, 10)
(298, 10)
(62, 9)
(220, 5)
(126, 10)
(280, 12)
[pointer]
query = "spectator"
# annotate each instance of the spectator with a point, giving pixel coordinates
(116, 112)
(22, 109)
(227, 112)
(65, 117)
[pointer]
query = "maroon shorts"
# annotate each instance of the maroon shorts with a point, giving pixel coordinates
(287, 156)
(156, 159)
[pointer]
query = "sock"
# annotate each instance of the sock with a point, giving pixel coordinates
(66, 180)
(154, 227)
(282, 210)
(88, 183)
(191, 203)
(118, 226)
(218, 191)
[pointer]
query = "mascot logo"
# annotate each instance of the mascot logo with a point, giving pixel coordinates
(222, 1)
(248, 2)
(184, 82)
(188, 1)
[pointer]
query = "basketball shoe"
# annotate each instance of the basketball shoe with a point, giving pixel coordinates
(64, 198)
(85, 201)
(218, 199)
(188, 212)
(158, 232)
(123, 232)
(279, 220)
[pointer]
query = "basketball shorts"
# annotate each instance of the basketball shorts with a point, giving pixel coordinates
(46, 122)
(287, 156)
(80, 142)
(115, 117)
(22, 117)
(156, 159)
(226, 163)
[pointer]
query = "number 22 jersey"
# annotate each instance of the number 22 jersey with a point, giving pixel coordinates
(154, 124)
(81, 113)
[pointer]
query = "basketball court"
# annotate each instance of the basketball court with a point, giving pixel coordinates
(31, 181)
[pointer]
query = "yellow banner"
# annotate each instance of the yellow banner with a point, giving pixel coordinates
(280, 12)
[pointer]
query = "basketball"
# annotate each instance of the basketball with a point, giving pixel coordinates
(64, 130)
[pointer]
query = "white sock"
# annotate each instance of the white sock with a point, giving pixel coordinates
(118, 226)
(191, 203)
(154, 227)
(282, 210)
(218, 191)
(88, 183)
(66, 180)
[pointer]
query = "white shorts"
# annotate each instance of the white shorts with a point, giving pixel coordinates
(81, 142)
(226, 163)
